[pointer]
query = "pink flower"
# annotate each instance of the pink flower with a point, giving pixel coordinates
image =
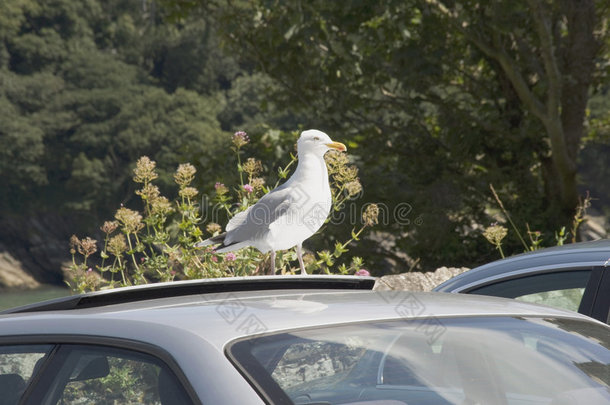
(240, 138)
(248, 188)
(230, 257)
(241, 134)
(214, 259)
(362, 272)
(220, 188)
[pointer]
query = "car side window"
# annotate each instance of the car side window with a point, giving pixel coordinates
(105, 375)
(18, 364)
(568, 298)
(561, 289)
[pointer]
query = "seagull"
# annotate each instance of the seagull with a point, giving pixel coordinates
(292, 212)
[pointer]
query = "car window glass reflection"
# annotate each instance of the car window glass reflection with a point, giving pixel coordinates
(568, 298)
(17, 366)
(496, 361)
(94, 375)
(563, 289)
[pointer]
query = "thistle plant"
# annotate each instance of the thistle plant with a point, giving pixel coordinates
(157, 242)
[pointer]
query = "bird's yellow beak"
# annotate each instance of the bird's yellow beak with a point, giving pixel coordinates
(337, 145)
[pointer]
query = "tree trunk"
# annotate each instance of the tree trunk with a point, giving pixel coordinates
(577, 55)
(568, 63)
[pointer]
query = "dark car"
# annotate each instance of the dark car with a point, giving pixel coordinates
(574, 276)
(298, 340)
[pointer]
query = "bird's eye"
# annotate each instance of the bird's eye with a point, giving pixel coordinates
(315, 138)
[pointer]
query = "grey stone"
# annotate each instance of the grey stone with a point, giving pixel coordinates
(417, 281)
(12, 274)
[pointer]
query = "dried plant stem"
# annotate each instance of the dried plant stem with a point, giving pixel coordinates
(579, 215)
(493, 190)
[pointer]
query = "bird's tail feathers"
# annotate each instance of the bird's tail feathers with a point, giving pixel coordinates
(231, 247)
(214, 240)
(220, 239)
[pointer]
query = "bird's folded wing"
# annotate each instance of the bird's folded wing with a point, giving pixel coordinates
(254, 222)
(237, 219)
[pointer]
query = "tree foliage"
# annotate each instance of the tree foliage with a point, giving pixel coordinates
(435, 100)
(443, 99)
(84, 97)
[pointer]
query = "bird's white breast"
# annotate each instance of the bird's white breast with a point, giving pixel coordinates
(309, 206)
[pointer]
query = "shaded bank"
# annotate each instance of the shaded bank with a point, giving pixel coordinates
(15, 298)
(34, 249)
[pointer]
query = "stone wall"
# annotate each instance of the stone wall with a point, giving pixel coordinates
(416, 281)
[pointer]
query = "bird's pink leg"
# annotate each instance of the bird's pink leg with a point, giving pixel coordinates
(300, 257)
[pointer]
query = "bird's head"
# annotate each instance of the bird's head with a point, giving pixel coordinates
(317, 142)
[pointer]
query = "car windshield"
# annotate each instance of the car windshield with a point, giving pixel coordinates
(491, 360)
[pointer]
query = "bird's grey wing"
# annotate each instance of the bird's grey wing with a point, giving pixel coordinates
(237, 219)
(267, 201)
(255, 221)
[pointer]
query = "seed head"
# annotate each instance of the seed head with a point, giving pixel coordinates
(185, 174)
(109, 227)
(213, 228)
(353, 188)
(253, 167)
(130, 220)
(371, 215)
(335, 160)
(149, 192)
(74, 243)
(257, 183)
(145, 170)
(161, 206)
(85, 247)
(117, 245)
(495, 233)
(346, 174)
(188, 192)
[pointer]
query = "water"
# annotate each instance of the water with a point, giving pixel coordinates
(15, 298)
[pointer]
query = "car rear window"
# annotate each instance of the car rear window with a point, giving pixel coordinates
(491, 360)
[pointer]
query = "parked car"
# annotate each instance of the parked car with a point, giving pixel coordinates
(298, 340)
(574, 276)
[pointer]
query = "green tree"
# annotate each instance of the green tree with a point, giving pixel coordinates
(550, 62)
(438, 101)
(78, 105)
